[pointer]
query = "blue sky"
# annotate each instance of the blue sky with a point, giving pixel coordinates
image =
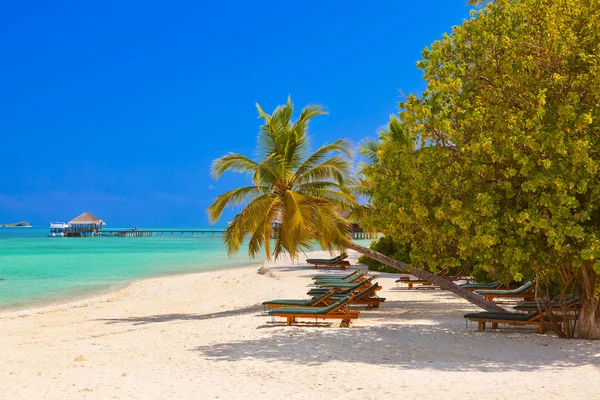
(119, 107)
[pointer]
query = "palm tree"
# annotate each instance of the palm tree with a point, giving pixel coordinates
(369, 149)
(296, 197)
(303, 192)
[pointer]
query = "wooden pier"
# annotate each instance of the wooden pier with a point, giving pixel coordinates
(161, 232)
(133, 233)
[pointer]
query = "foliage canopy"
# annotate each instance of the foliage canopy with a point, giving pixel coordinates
(508, 139)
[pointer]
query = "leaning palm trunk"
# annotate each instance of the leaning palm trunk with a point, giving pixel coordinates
(428, 276)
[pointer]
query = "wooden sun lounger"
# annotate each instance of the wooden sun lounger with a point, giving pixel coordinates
(349, 276)
(344, 289)
(482, 318)
(367, 297)
(335, 311)
(458, 277)
(525, 292)
(344, 284)
(317, 301)
(355, 278)
(422, 283)
(571, 304)
(331, 262)
(481, 286)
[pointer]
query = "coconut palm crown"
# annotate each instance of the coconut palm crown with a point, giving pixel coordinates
(369, 148)
(296, 197)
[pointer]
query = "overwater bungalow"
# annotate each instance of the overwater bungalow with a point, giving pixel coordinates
(85, 224)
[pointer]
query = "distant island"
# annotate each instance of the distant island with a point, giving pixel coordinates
(21, 224)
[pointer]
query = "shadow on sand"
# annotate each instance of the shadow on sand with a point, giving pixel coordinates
(411, 347)
(410, 334)
(181, 317)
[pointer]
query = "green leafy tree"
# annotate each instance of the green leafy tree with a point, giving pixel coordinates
(507, 171)
(296, 196)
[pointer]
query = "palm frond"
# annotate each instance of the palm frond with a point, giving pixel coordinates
(262, 114)
(300, 130)
(268, 171)
(395, 132)
(308, 112)
(342, 146)
(248, 221)
(274, 135)
(308, 186)
(340, 200)
(332, 231)
(233, 198)
(232, 162)
(295, 232)
(369, 148)
(334, 169)
(263, 231)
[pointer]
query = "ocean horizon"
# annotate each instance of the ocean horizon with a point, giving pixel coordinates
(38, 270)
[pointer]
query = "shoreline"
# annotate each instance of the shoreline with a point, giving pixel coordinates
(91, 295)
(205, 334)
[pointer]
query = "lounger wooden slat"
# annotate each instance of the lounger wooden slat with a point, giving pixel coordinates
(482, 286)
(482, 318)
(525, 292)
(345, 285)
(349, 276)
(353, 290)
(331, 262)
(355, 278)
(335, 311)
(317, 301)
(570, 303)
(458, 277)
(367, 297)
(422, 283)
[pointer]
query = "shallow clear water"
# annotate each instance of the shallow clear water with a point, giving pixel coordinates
(37, 269)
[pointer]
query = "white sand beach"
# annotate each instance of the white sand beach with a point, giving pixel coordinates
(205, 336)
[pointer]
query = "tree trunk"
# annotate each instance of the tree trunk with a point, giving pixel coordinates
(428, 276)
(588, 323)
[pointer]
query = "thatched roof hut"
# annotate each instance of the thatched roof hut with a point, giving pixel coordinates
(87, 219)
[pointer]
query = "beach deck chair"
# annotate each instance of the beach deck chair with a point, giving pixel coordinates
(460, 276)
(317, 301)
(329, 284)
(571, 303)
(485, 286)
(482, 318)
(366, 297)
(344, 289)
(355, 278)
(525, 292)
(349, 276)
(337, 310)
(422, 283)
(338, 261)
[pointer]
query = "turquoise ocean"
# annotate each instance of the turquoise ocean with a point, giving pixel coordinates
(38, 270)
